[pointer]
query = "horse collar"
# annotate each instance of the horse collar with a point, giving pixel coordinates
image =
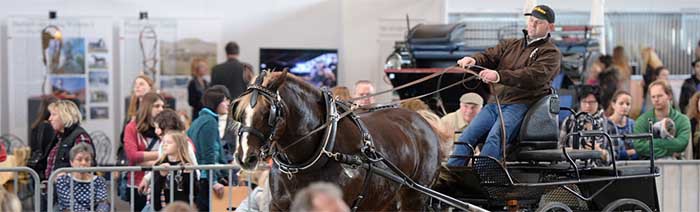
(326, 146)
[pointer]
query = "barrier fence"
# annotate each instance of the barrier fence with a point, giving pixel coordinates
(51, 192)
(35, 181)
(678, 187)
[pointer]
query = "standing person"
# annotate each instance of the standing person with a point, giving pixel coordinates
(142, 85)
(664, 148)
(41, 136)
(364, 88)
(690, 86)
(87, 191)
(620, 123)
(230, 73)
(65, 119)
(175, 153)
(693, 112)
(622, 64)
(197, 85)
(469, 105)
(141, 143)
(206, 136)
(166, 121)
(521, 72)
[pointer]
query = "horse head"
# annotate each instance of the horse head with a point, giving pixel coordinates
(275, 105)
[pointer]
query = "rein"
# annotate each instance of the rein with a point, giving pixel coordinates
(393, 102)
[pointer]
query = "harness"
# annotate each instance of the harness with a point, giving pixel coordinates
(368, 157)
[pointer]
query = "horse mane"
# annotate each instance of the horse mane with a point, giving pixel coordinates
(272, 82)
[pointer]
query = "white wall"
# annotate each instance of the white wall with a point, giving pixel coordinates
(368, 33)
(253, 24)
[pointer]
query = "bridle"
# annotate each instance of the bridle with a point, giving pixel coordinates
(276, 116)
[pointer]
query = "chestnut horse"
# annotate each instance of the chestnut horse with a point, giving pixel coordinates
(278, 114)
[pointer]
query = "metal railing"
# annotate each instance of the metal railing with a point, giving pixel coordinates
(35, 180)
(132, 169)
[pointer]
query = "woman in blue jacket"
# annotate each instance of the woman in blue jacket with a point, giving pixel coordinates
(204, 132)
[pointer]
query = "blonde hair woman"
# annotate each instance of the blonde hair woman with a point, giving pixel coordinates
(65, 120)
(197, 85)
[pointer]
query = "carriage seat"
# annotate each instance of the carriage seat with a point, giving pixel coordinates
(539, 135)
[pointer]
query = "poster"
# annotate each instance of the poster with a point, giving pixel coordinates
(79, 69)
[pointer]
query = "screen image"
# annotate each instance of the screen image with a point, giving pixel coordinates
(317, 66)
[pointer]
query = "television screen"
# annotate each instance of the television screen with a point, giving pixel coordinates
(317, 66)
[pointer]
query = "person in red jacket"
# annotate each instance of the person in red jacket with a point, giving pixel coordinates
(141, 142)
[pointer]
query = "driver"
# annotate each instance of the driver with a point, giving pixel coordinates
(521, 72)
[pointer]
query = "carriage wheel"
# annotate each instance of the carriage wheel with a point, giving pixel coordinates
(627, 205)
(554, 207)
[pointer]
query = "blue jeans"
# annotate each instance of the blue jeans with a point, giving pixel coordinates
(487, 126)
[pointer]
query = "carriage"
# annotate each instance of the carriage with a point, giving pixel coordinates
(391, 157)
(539, 176)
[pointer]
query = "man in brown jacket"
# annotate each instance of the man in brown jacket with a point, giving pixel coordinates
(521, 72)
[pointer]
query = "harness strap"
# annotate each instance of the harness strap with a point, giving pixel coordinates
(365, 185)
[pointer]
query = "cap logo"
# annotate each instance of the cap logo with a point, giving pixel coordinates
(538, 9)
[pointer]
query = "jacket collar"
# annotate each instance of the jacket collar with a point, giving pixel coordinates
(207, 111)
(68, 130)
(536, 41)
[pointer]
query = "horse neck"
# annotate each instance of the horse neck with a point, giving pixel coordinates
(306, 113)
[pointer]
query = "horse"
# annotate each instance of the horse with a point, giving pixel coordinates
(278, 113)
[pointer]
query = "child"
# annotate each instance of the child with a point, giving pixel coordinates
(89, 192)
(175, 153)
(619, 124)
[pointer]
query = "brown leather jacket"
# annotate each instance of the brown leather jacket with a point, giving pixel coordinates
(526, 71)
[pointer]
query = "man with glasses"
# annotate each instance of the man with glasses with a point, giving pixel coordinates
(521, 72)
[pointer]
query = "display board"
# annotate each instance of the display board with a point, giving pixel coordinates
(163, 49)
(78, 67)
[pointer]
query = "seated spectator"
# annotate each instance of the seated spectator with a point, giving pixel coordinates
(81, 191)
(364, 88)
(469, 105)
(588, 98)
(693, 112)
(341, 93)
(690, 86)
(619, 123)
(664, 148)
(317, 197)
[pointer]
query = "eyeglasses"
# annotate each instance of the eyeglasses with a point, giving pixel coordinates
(589, 102)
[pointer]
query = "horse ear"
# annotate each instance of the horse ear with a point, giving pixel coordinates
(279, 80)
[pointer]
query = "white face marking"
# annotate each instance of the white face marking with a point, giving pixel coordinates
(248, 121)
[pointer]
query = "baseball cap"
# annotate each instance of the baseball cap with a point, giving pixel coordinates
(472, 98)
(542, 12)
